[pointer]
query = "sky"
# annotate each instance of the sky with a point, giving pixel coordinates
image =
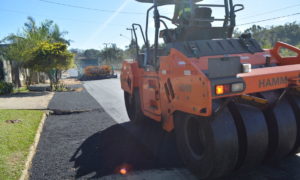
(93, 23)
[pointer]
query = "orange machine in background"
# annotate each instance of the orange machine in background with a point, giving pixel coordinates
(98, 72)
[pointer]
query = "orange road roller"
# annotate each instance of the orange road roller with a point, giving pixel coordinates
(232, 104)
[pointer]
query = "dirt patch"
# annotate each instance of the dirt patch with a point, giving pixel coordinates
(15, 159)
(78, 89)
(13, 121)
(15, 163)
(71, 81)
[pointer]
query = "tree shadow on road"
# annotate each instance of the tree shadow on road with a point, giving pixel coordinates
(138, 147)
(146, 146)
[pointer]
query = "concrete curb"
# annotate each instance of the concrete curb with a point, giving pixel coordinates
(32, 151)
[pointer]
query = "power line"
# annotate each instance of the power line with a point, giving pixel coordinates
(89, 8)
(270, 19)
(272, 11)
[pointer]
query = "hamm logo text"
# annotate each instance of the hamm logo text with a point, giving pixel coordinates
(265, 83)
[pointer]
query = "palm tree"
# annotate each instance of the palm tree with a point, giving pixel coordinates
(31, 35)
(57, 36)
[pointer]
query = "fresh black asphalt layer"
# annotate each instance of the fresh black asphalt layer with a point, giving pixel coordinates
(73, 101)
(91, 144)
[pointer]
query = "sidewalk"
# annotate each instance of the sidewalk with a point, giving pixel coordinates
(31, 100)
(34, 99)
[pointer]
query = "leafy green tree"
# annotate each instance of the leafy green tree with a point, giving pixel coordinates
(112, 55)
(50, 58)
(268, 36)
(92, 53)
(131, 50)
(31, 36)
(15, 54)
(77, 52)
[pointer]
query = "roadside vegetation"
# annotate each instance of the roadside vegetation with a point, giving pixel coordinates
(268, 36)
(17, 133)
(21, 90)
(6, 88)
(39, 48)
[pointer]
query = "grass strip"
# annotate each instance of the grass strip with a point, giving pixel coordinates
(17, 132)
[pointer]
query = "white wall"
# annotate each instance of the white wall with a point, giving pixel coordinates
(7, 71)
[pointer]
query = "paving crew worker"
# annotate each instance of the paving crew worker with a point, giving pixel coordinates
(182, 12)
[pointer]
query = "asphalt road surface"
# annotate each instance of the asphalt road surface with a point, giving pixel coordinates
(109, 95)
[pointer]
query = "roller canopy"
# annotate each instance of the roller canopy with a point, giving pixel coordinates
(162, 2)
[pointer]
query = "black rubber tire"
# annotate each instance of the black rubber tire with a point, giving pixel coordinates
(253, 135)
(295, 103)
(128, 98)
(133, 107)
(282, 127)
(208, 147)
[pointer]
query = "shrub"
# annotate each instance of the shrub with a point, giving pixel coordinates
(6, 88)
(60, 87)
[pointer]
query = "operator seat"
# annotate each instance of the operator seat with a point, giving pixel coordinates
(202, 17)
(199, 28)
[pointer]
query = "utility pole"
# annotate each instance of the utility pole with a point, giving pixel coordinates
(133, 40)
(112, 45)
(131, 30)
